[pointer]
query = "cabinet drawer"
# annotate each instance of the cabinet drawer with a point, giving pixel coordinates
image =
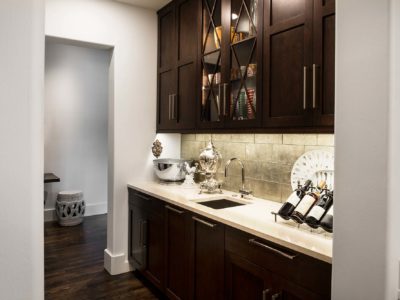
(301, 269)
(144, 201)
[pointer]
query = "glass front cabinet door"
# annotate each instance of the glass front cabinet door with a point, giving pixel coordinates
(231, 54)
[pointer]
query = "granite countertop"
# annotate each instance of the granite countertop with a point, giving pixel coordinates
(254, 218)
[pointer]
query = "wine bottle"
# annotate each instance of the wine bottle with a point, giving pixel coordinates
(306, 203)
(288, 207)
(327, 220)
(319, 209)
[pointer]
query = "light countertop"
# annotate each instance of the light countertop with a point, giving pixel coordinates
(254, 218)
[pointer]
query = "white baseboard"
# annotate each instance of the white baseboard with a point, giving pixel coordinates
(91, 210)
(116, 264)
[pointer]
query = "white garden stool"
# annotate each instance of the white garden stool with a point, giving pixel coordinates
(70, 208)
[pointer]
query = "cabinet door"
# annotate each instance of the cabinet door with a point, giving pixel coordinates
(245, 63)
(286, 290)
(137, 237)
(324, 63)
(245, 280)
(287, 63)
(187, 76)
(211, 54)
(207, 242)
(177, 253)
(146, 238)
(154, 242)
(166, 110)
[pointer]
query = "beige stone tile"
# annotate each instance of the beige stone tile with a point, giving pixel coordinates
(191, 149)
(221, 137)
(204, 137)
(237, 150)
(286, 190)
(188, 137)
(254, 170)
(268, 138)
(275, 172)
(242, 138)
(259, 152)
(326, 148)
(300, 139)
(326, 139)
(286, 154)
(266, 190)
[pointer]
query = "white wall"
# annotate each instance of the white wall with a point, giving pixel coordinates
(75, 113)
(21, 149)
(133, 33)
(365, 248)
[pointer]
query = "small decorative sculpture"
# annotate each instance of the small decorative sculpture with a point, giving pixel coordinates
(209, 161)
(157, 148)
(189, 177)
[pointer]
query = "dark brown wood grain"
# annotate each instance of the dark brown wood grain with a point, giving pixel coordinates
(324, 58)
(291, 34)
(287, 50)
(177, 65)
(74, 265)
(177, 254)
(207, 258)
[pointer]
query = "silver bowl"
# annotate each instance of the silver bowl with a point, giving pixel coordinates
(169, 169)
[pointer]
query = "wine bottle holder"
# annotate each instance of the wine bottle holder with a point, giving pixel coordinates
(301, 227)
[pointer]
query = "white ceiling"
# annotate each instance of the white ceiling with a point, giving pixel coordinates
(153, 4)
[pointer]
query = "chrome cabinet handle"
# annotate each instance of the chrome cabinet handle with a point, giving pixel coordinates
(304, 87)
(174, 209)
(262, 245)
(265, 293)
(144, 233)
(174, 107)
(169, 106)
(224, 98)
(143, 197)
(314, 82)
(204, 222)
(276, 296)
(219, 98)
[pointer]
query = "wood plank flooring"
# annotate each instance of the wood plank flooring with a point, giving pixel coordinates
(74, 267)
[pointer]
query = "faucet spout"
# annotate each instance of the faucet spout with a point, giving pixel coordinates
(242, 190)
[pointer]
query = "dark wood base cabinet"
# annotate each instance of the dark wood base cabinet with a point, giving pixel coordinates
(188, 256)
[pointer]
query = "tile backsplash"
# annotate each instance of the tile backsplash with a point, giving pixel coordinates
(268, 158)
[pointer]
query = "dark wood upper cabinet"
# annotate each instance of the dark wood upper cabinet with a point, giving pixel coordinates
(288, 60)
(299, 63)
(231, 55)
(247, 65)
(177, 65)
(324, 62)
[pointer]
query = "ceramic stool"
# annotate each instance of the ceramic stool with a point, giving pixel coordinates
(70, 208)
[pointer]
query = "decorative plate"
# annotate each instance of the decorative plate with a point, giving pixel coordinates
(316, 165)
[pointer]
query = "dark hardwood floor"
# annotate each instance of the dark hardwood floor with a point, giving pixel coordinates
(74, 266)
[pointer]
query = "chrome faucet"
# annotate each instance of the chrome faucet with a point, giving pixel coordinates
(243, 192)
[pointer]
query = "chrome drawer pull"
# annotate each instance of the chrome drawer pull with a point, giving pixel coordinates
(314, 82)
(304, 87)
(143, 197)
(276, 296)
(265, 293)
(174, 209)
(257, 243)
(204, 222)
